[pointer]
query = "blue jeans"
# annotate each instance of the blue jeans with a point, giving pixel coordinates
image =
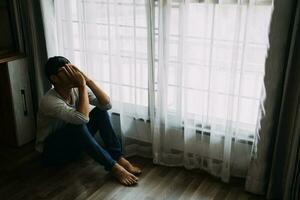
(69, 142)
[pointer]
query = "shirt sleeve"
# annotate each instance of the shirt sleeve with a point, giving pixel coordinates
(57, 108)
(94, 101)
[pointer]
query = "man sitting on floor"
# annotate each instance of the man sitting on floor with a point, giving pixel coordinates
(65, 127)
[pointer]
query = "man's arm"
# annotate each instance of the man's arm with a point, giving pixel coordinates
(77, 78)
(83, 102)
(57, 108)
(102, 98)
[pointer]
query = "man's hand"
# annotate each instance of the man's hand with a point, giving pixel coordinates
(74, 76)
(87, 80)
(102, 98)
(78, 80)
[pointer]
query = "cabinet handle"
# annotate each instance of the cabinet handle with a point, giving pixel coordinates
(24, 102)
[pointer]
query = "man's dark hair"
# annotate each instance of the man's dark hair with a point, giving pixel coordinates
(53, 64)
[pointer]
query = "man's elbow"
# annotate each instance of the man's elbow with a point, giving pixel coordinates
(108, 106)
(80, 119)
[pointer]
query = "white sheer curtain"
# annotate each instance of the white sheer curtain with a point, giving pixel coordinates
(210, 69)
(107, 39)
(185, 77)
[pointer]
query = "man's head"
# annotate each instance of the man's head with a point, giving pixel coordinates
(55, 72)
(54, 64)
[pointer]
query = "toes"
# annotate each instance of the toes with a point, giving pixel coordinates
(126, 178)
(123, 182)
(134, 177)
(130, 182)
(137, 170)
(127, 182)
(134, 180)
(131, 179)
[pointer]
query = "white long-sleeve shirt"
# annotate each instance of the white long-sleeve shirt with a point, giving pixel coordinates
(54, 113)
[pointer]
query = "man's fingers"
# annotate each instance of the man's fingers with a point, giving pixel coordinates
(70, 70)
(75, 74)
(67, 71)
(69, 74)
(75, 68)
(78, 70)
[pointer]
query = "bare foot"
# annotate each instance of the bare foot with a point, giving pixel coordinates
(123, 176)
(129, 167)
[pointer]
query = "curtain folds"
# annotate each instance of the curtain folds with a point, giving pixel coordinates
(36, 49)
(259, 177)
(209, 85)
(49, 26)
(111, 42)
(284, 178)
(245, 2)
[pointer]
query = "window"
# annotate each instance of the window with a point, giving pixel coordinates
(212, 56)
(108, 41)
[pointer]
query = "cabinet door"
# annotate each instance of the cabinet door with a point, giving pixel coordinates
(21, 100)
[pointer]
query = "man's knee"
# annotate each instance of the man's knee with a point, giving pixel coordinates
(97, 112)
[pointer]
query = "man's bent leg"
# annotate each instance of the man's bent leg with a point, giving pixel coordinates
(80, 137)
(90, 145)
(60, 147)
(100, 120)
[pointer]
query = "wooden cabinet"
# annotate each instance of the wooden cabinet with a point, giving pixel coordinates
(17, 122)
(12, 26)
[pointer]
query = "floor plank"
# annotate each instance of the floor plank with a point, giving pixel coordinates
(23, 177)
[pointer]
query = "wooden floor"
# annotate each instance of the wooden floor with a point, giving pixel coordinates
(23, 177)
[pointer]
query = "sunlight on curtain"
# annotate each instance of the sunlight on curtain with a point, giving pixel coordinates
(210, 69)
(108, 41)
